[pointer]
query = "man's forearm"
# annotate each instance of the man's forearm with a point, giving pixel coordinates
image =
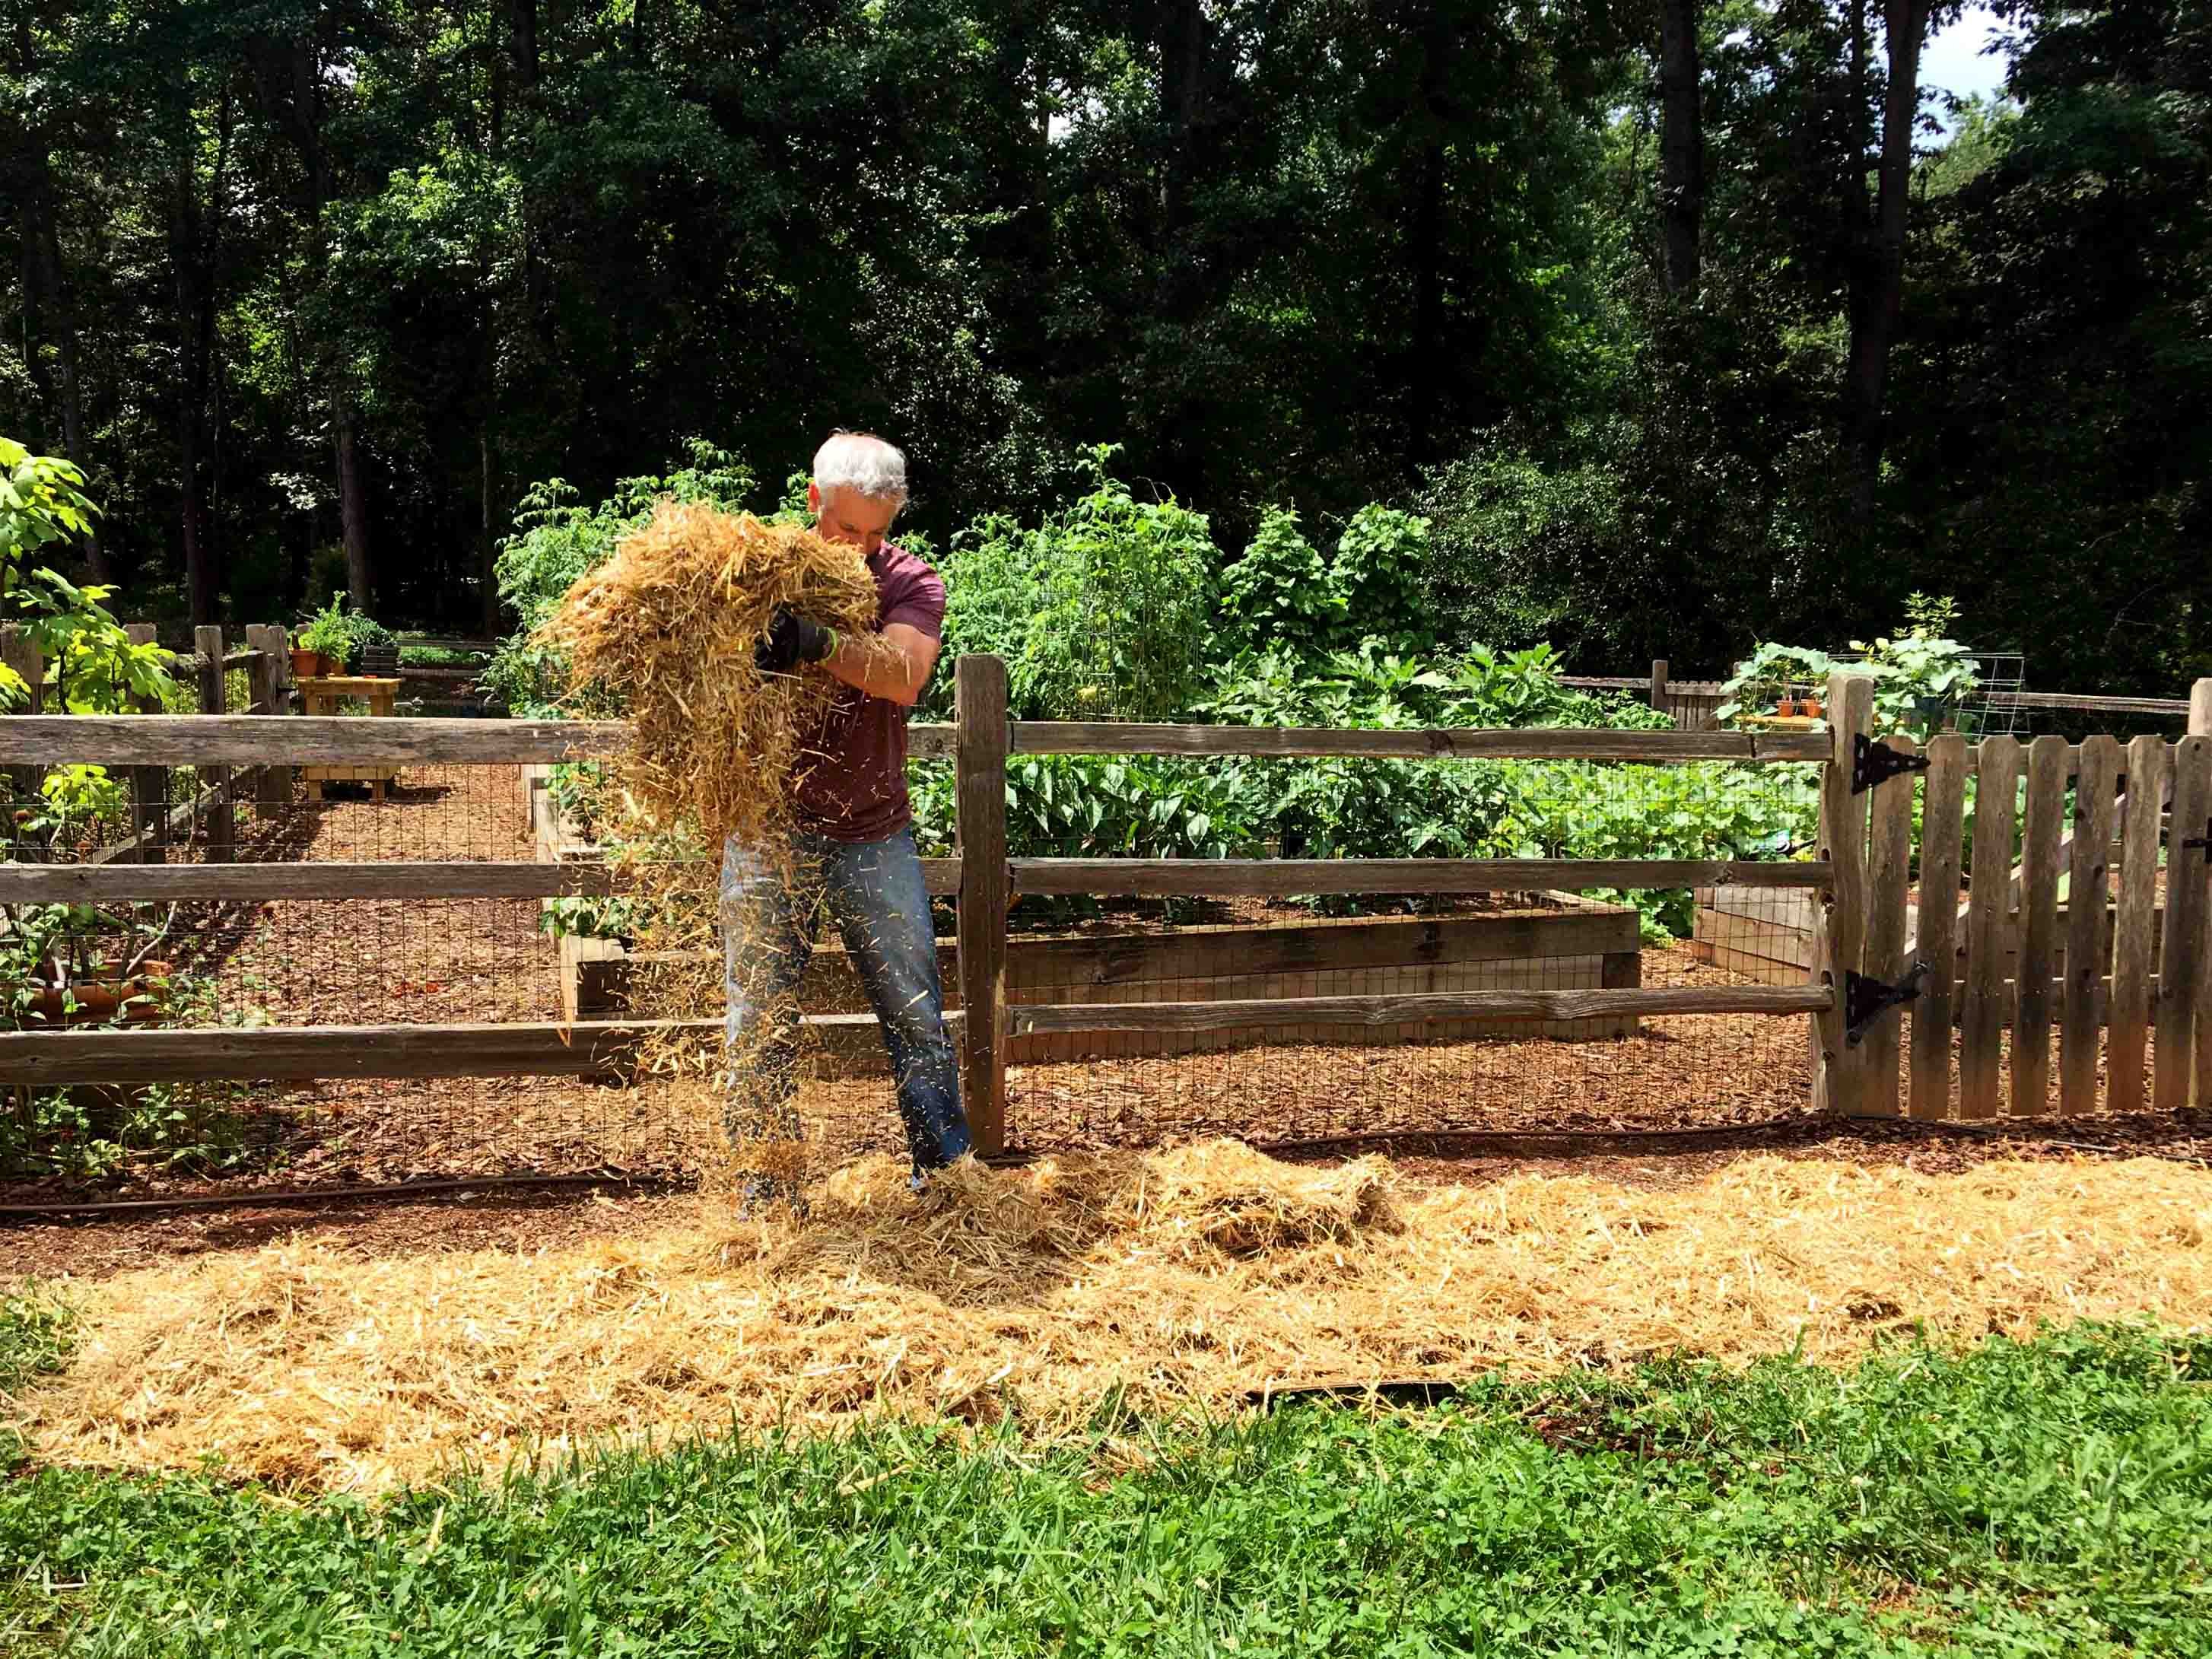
(882, 667)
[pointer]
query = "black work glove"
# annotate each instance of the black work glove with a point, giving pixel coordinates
(791, 641)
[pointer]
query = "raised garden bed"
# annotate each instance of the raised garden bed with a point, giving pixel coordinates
(1238, 949)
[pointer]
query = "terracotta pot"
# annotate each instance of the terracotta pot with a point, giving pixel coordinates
(1786, 709)
(1814, 707)
(97, 1000)
(306, 664)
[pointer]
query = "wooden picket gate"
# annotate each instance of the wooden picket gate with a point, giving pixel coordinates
(2074, 909)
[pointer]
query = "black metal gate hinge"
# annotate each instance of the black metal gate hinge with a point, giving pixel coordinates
(2203, 840)
(1875, 762)
(1865, 998)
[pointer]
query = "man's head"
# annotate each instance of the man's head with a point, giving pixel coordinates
(858, 487)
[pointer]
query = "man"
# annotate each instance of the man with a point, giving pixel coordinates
(854, 843)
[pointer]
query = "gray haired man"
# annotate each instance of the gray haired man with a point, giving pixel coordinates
(854, 841)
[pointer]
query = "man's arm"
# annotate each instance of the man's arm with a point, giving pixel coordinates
(894, 664)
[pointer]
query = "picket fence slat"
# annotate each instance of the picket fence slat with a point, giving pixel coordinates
(1889, 868)
(1985, 1013)
(1942, 830)
(2089, 935)
(2174, 1056)
(2043, 826)
(2149, 776)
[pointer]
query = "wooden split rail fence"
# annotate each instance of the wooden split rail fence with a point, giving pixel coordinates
(1859, 880)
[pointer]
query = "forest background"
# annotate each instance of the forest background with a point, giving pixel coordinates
(1684, 324)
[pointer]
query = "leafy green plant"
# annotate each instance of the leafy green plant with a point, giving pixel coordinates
(437, 656)
(1378, 576)
(1770, 673)
(1279, 592)
(1107, 607)
(344, 634)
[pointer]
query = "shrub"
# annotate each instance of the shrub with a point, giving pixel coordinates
(1107, 607)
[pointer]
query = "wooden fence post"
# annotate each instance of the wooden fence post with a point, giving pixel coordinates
(1839, 920)
(222, 826)
(980, 747)
(149, 784)
(272, 785)
(2200, 725)
(1659, 683)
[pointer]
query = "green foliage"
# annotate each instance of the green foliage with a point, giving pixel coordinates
(2051, 1497)
(437, 656)
(42, 503)
(94, 667)
(1508, 534)
(1280, 592)
(1918, 682)
(343, 634)
(1382, 562)
(1107, 607)
(1920, 678)
(196, 1131)
(37, 1332)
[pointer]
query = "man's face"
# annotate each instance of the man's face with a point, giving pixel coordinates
(847, 516)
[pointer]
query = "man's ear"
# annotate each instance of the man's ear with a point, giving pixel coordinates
(814, 498)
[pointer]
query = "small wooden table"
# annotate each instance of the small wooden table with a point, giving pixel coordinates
(321, 694)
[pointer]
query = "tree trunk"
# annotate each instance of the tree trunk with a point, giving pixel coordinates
(1681, 146)
(488, 548)
(524, 21)
(49, 321)
(1878, 271)
(353, 506)
(192, 282)
(1427, 373)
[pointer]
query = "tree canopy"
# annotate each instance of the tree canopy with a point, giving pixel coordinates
(1684, 322)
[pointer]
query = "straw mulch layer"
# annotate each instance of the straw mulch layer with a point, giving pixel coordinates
(1196, 1278)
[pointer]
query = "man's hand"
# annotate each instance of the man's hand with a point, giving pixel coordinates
(792, 639)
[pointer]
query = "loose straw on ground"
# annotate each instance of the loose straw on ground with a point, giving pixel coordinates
(1192, 1277)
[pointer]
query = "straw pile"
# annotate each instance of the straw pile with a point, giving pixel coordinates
(1197, 1278)
(670, 624)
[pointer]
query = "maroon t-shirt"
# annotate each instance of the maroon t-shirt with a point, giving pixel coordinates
(856, 789)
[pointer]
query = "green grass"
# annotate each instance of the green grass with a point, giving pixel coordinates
(2047, 1497)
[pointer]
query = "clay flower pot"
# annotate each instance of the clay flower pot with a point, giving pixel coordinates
(99, 1000)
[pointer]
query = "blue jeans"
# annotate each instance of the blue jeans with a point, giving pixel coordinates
(873, 891)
